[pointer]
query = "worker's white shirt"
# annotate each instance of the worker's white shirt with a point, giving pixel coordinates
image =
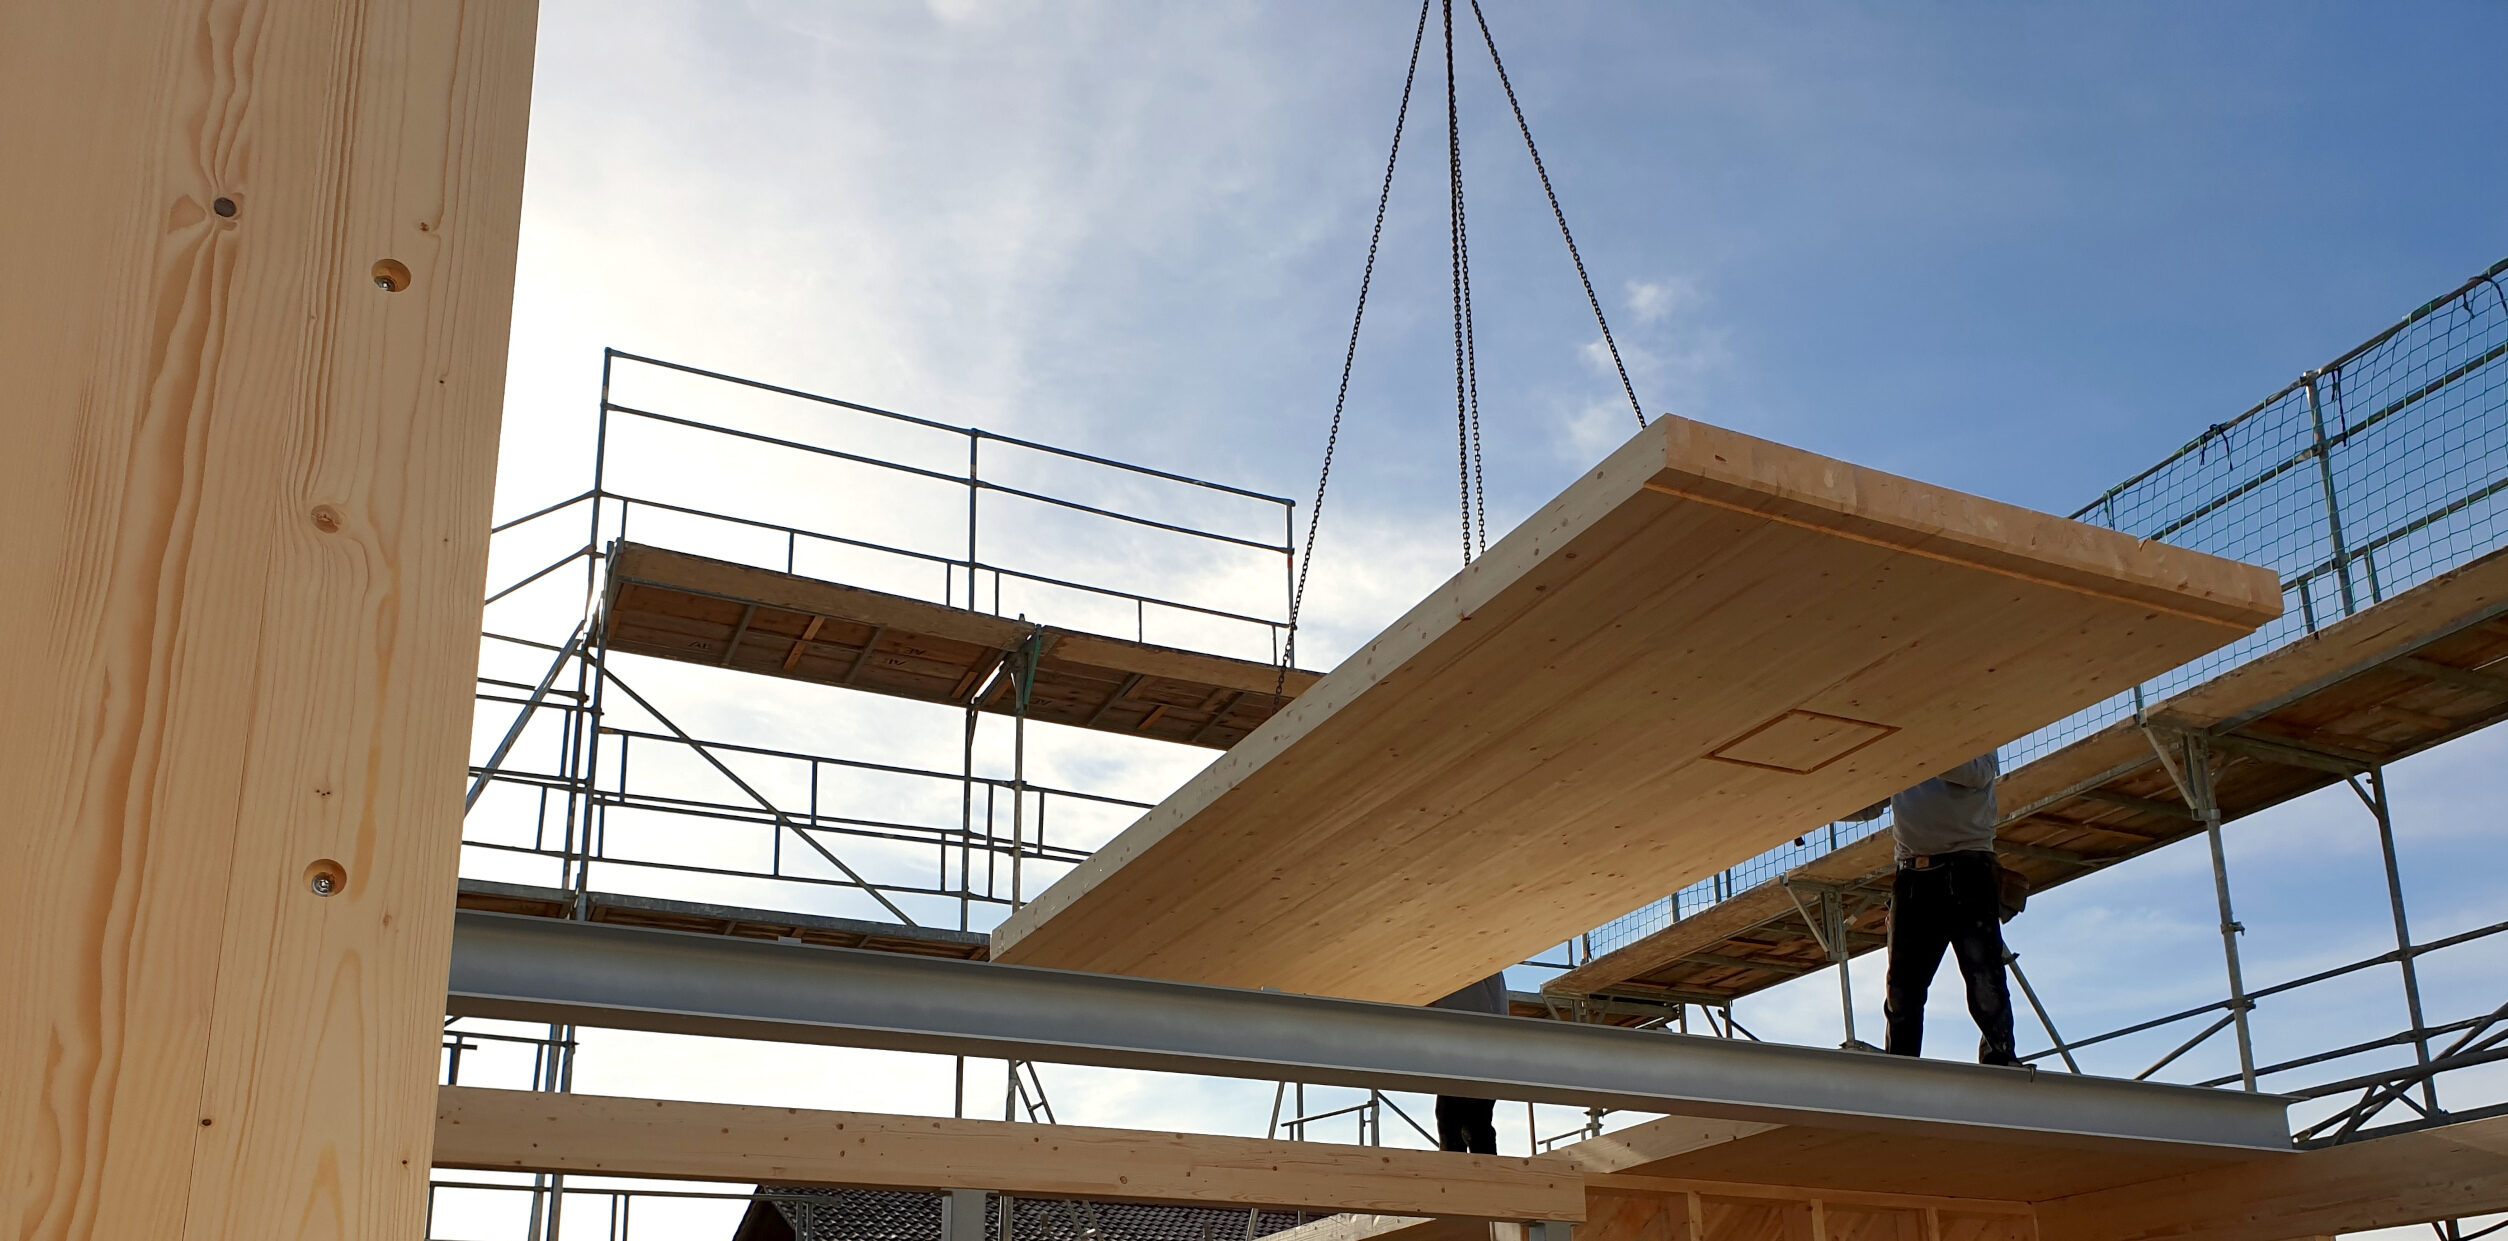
(1950, 813)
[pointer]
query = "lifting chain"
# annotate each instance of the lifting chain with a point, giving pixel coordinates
(1473, 495)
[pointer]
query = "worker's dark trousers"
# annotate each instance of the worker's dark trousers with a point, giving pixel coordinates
(1952, 904)
(1464, 1125)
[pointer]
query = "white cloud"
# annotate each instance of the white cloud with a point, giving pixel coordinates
(1650, 301)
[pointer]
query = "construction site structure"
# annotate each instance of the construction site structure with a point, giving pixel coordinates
(2437, 586)
(262, 348)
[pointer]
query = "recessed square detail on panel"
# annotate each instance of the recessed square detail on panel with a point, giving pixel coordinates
(1801, 742)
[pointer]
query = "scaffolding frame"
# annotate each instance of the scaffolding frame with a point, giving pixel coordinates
(591, 773)
(592, 750)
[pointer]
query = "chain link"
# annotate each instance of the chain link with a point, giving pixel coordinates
(1561, 215)
(1349, 358)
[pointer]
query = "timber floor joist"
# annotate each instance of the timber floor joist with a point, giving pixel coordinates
(2403, 676)
(672, 605)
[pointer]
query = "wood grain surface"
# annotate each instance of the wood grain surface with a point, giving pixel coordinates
(243, 510)
(2397, 678)
(517, 1130)
(1533, 749)
(2447, 1172)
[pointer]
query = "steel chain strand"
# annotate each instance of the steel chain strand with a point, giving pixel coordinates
(1454, 258)
(1471, 369)
(1315, 516)
(1476, 536)
(1560, 215)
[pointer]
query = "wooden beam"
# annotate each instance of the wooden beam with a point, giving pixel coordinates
(255, 330)
(528, 1131)
(1707, 646)
(2144, 804)
(2332, 760)
(739, 631)
(1655, 1140)
(1122, 692)
(809, 632)
(1217, 716)
(1714, 960)
(1804, 1193)
(788, 592)
(2061, 857)
(1646, 1206)
(1181, 665)
(870, 645)
(1637, 1146)
(2448, 674)
(2412, 1178)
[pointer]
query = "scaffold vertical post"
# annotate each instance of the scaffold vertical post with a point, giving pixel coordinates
(2207, 808)
(2382, 812)
(583, 776)
(1022, 670)
(1285, 651)
(2333, 509)
(1833, 914)
(974, 441)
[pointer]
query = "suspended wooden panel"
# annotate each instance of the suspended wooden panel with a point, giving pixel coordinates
(1708, 645)
(697, 610)
(2404, 676)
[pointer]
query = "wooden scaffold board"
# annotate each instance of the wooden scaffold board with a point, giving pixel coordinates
(1709, 644)
(672, 605)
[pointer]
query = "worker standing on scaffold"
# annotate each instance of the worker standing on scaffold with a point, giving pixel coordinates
(1948, 892)
(1471, 1124)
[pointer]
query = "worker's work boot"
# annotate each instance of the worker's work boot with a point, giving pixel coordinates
(1989, 1053)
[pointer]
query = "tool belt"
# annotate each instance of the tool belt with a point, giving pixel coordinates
(2011, 892)
(2011, 888)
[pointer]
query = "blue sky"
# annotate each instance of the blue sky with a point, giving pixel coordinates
(2019, 250)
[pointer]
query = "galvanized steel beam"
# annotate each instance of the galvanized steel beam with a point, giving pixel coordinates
(534, 969)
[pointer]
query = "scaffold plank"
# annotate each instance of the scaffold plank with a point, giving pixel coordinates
(1709, 644)
(673, 605)
(2398, 678)
(540, 1131)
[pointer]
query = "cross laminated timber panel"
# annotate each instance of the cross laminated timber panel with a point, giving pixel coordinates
(260, 268)
(1708, 645)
